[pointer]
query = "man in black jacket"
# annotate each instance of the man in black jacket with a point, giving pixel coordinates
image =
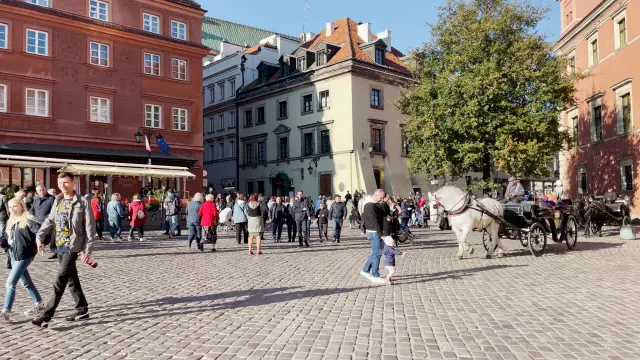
(41, 208)
(374, 218)
(337, 213)
(302, 211)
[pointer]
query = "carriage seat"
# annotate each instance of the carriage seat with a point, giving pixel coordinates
(615, 207)
(519, 209)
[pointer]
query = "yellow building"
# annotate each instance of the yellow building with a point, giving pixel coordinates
(323, 119)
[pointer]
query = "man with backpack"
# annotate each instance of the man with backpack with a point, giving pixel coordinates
(171, 208)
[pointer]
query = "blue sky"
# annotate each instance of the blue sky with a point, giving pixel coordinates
(405, 18)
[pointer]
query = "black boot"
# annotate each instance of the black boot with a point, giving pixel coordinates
(41, 321)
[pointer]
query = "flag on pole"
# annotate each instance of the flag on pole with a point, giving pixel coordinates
(146, 142)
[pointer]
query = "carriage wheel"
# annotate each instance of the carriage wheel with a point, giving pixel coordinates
(626, 221)
(524, 240)
(537, 239)
(486, 240)
(571, 233)
(593, 228)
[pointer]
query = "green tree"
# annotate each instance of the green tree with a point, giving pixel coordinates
(489, 93)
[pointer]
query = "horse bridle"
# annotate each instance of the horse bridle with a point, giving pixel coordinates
(457, 212)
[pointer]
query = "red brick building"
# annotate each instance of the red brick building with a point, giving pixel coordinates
(78, 78)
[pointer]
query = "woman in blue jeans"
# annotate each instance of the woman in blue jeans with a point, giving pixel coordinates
(193, 220)
(22, 228)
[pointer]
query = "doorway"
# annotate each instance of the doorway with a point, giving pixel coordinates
(325, 185)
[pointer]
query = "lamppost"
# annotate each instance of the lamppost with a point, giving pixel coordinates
(146, 133)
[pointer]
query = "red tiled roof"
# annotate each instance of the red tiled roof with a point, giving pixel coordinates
(188, 3)
(256, 48)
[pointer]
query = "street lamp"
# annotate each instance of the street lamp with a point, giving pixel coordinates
(148, 133)
(310, 169)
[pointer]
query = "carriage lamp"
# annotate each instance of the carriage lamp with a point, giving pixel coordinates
(310, 169)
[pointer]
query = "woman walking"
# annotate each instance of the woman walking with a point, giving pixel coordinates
(193, 221)
(240, 218)
(353, 216)
(255, 223)
(278, 216)
(115, 212)
(291, 222)
(22, 228)
(138, 216)
(209, 219)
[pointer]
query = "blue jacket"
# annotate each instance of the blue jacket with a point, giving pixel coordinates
(278, 213)
(115, 211)
(316, 205)
(41, 207)
(405, 210)
(240, 212)
(192, 215)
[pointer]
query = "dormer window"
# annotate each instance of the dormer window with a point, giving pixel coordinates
(263, 77)
(380, 56)
(300, 63)
(321, 57)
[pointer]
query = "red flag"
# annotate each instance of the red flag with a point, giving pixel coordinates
(146, 141)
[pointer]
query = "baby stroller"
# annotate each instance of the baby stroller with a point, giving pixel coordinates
(225, 220)
(401, 233)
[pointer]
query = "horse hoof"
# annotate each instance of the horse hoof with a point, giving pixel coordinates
(460, 257)
(500, 255)
(471, 250)
(487, 256)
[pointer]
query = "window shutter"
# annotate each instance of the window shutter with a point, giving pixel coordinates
(592, 125)
(619, 115)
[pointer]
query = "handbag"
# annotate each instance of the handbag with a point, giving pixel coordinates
(8, 261)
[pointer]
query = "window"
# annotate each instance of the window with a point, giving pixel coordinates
(572, 65)
(40, 2)
(232, 119)
(380, 56)
(262, 75)
(221, 91)
(626, 113)
(621, 31)
(221, 151)
(260, 186)
(37, 102)
(232, 146)
(248, 118)
(211, 126)
(325, 142)
(375, 98)
(212, 95)
(282, 109)
(307, 104)
(221, 122)
(283, 148)
(261, 152)
(250, 187)
(300, 63)
(100, 111)
(596, 126)
(324, 99)
(308, 144)
(576, 130)
(153, 117)
(376, 140)
(178, 30)
(248, 153)
(212, 151)
(152, 64)
(582, 181)
(405, 142)
(626, 169)
(99, 54)
(232, 88)
(4, 38)
(151, 23)
(37, 42)
(260, 115)
(322, 57)
(99, 10)
(593, 50)
(180, 119)
(178, 69)
(3, 98)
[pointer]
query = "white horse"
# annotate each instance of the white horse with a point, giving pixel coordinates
(467, 214)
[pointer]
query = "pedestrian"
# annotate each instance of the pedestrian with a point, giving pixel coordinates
(337, 214)
(193, 221)
(301, 208)
(229, 202)
(240, 218)
(28, 200)
(390, 253)
(74, 226)
(264, 211)
(209, 221)
(278, 216)
(42, 205)
(272, 201)
(405, 213)
(171, 208)
(291, 222)
(353, 214)
(21, 231)
(138, 215)
(52, 192)
(316, 205)
(373, 218)
(115, 213)
(323, 222)
(98, 208)
(255, 223)
(348, 197)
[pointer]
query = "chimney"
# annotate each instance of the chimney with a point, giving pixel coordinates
(329, 28)
(303, 37)
(386, 37)
(364, 31)
(310, 36)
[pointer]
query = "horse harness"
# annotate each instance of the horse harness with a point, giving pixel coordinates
(467, 201)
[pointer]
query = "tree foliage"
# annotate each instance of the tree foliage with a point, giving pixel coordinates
(489, 93)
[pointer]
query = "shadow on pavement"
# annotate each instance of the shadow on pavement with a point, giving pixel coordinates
(445, 275)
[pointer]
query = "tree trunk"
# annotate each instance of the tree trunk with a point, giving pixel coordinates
(486, 172)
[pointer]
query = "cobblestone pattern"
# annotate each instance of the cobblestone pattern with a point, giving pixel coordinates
(158, 300)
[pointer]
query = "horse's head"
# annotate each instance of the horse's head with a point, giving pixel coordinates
(449, 197)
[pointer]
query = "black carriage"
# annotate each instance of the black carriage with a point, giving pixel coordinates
(530, 222)
(599, 213)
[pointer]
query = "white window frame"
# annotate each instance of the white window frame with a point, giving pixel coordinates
(232, 119)
(3, 98)
(623, 183)
(616, 29)
(592, 129)
(46, 42)
(593, 38)
(221, 122)
(44, 3)
(320, 105)
(621, 91)
(176, 35)
(102, 112)
(571, 56)
(151, 62)
(35, 111)
(232, 88)
(221, 91)
(149, 116)
(573, 114)
(148, 23)
(180, 65)
(180, 118)
(94, 10)
(6, 35)
(232, 145)
(99, 53)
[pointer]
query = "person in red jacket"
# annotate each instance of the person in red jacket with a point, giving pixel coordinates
(209, 220)
(98, 208)
(138, 217)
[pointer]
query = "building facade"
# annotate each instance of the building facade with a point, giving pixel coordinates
(232, 67)
(80, 77)
(600, 39)
(322, 119)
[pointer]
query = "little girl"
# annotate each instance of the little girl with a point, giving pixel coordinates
(390, 253)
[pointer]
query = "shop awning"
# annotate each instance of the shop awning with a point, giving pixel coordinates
(127, 171)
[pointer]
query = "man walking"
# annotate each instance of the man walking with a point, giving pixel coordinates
(373, 217)
(42, 205)
(301, 208)
(72, 222)
(337, 214)
(98, 209)
(171, 208)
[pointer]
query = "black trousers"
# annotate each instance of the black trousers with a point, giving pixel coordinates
(67, 274)
(277, 229)
(322, 231)
(140, 231)
(291, 230)
(99, 228)
(241, 228)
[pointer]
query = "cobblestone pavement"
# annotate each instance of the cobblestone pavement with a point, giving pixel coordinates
(158, 300)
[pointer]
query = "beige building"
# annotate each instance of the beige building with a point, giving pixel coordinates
(323, 120)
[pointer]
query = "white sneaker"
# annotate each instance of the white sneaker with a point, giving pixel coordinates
(129, 238)
(365, 274)
(35, 310)
(377, 280)
(5, 316)
(141, 239)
